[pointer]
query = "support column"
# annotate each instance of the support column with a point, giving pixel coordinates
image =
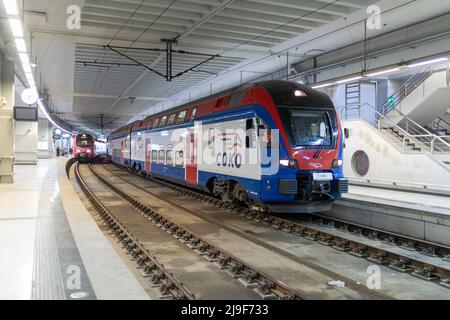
(6, 120)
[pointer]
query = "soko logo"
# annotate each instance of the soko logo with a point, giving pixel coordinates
(230, 160)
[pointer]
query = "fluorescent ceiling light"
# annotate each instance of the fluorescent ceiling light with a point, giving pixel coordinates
(29, 76)
(26, 68)
(11, 7)
(383, 72)
(16, 28)
(423, 63)
(323, 85)
(349, 79)
(21, 46)
(24, 58)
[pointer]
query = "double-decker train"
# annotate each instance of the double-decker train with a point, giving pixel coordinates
(275, 145)
(84, 147)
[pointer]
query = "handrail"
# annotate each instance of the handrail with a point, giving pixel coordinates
(435, 142)
(406, 88)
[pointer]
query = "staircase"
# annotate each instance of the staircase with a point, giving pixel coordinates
(409, 86)
(441, 126)
(407, 135)
(407, 143)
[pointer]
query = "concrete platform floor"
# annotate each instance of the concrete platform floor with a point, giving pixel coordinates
(50, 248)
(405, 199)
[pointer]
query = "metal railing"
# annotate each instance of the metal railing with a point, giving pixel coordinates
(406, 132)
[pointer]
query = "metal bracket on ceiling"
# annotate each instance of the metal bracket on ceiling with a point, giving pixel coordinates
(169, 76)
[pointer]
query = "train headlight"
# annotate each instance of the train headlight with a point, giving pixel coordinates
(289, 163)
(88, 151)
(337, 163)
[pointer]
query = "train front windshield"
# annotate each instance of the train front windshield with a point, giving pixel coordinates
(309, 128)
(84, 141)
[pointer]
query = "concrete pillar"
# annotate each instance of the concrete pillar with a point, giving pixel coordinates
(45, 136)
(6, 120)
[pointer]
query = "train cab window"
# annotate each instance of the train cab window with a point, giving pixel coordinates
(163, 121)
(169, 157)
(150, 123)
(140, 142)
(193, 114)
(179, 158)
(171, 120)
(181, 117)
(84, 140)
(250, 138)
(154, 156)
(161, 157)
(156, 124)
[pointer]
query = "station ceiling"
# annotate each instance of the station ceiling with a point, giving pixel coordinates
(94, 87)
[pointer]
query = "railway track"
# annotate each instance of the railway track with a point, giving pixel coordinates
(424, 260)
(138, 196)
(256, 284)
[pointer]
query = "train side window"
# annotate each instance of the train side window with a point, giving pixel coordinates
(179, 158)
(154, 156)
(237, 98)
(181, 117)
(162, 157)
(140, 142)
(169, 157)
(250, 134)
(193, 114)
(156, 123)
(163, 121)
(171, 120)
(150, 123)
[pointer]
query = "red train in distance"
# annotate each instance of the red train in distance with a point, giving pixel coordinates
(84, 147)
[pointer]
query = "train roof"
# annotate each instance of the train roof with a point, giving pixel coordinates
(281, 92)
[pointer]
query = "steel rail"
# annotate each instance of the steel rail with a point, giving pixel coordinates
(266, 285)
(402, 263)
(349, 282)
(144, 259)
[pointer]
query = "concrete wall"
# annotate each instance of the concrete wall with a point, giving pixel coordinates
(389, 165)
(45, 139)
(6, 120)
(26, 142)
(428, 101)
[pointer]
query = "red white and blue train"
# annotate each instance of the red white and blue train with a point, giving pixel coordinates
(83, 147)
(276, 145)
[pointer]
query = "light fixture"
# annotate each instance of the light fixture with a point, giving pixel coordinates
(299, 93)
(11, 7)
(378, 73)
(323, 85)
(423, 63)
(29, 76)
(20, 45)
(16, 28)
(349, 80)
(24, 58)
(26, 68)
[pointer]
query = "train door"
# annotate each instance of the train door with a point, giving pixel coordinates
(148, 151)
(122, 151)
(191, 157)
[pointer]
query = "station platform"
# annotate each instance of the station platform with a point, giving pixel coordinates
(421, 216)
(51, 248)
(405, 199)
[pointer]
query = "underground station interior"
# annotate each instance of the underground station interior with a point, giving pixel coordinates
(255, 151)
